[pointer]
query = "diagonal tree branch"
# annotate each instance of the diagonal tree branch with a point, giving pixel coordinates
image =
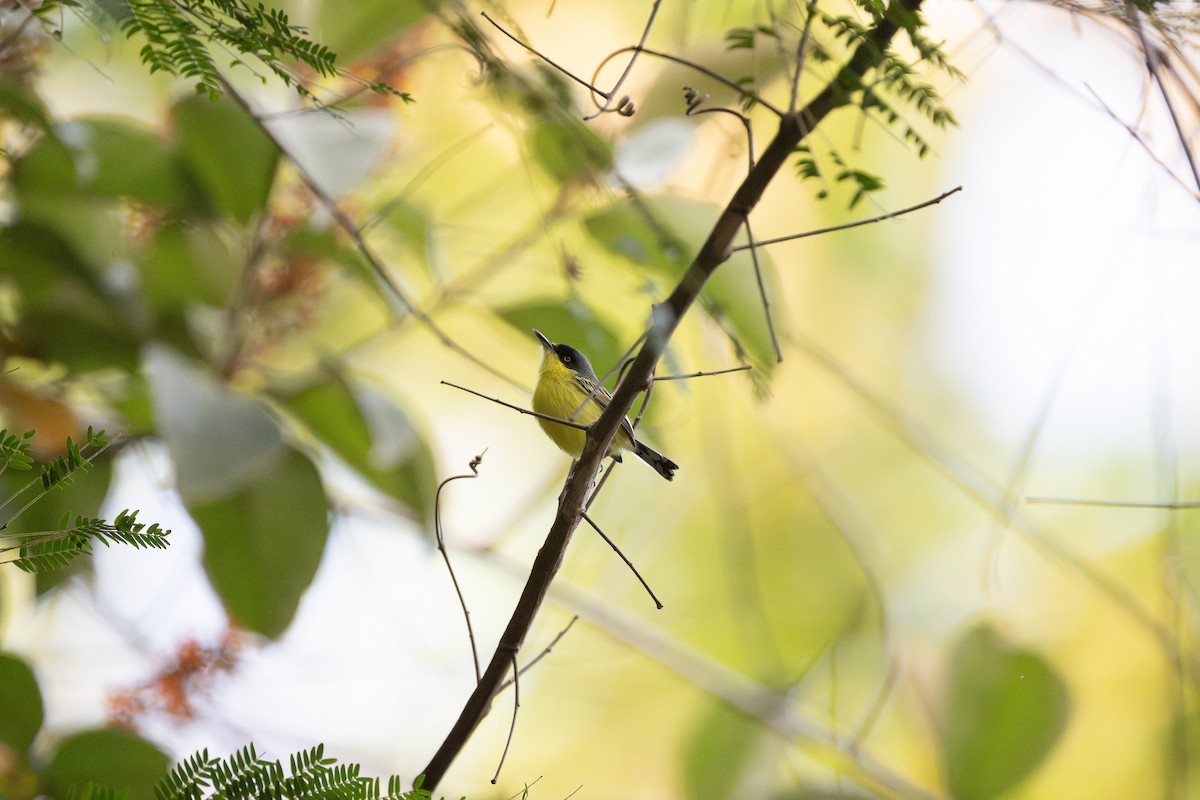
(793, 128)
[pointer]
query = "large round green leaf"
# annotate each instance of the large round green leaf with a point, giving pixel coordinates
(104, 157)
(368, 430)
(22, 703)
(263, 543)
(111, 758)
(219, 440)
(1003, 710)
(228, 153)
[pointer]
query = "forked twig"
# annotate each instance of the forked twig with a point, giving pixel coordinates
(545, 652)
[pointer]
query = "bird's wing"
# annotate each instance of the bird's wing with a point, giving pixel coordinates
(602, 398)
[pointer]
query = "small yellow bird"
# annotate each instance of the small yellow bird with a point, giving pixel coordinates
(567, 388)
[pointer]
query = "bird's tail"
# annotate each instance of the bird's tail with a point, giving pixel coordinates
(661, 464)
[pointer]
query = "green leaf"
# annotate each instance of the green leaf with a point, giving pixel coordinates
(219, 440)
(107, 757)
(569, 150)
(188, 265)
(625, 230)
(43, 264)
(368, 430)
(131, 162)
(47, 167)
(719, 753)
(229, 154)
(67, 337)
(260, 504)
(263, 543)
(20, 104)
(108, 158)
(1002, 711)
(22, 703)
(353, 29)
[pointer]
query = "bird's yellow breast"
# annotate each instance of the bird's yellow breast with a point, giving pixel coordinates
(559, 394)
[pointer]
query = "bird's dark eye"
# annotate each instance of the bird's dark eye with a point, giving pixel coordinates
(567, 359)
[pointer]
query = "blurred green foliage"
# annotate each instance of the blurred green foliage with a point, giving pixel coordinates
(179, 276)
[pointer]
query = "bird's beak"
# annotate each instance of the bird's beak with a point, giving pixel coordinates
(546, 343)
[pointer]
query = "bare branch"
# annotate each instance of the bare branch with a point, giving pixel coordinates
(848, 225)
(628, 563)
(545, 58)
(547, 417)
(742, 368)
(1076, 501)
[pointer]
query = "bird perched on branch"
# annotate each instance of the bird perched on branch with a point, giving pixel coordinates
(567, 388)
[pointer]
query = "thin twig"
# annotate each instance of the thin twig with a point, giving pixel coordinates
(628, 563)
(524, 793)
(546, 417)
(612, 464)
(694, 100)
(1137, 137)
(513, 725)
(700, 68)
(625, 107)
(1154, 67)
(545, 652)
(645, 403)
(441, 545)
(832, 228)
(762, 293)
(1074, 501)
(543, 57)
(657, 378)
(802, 55)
